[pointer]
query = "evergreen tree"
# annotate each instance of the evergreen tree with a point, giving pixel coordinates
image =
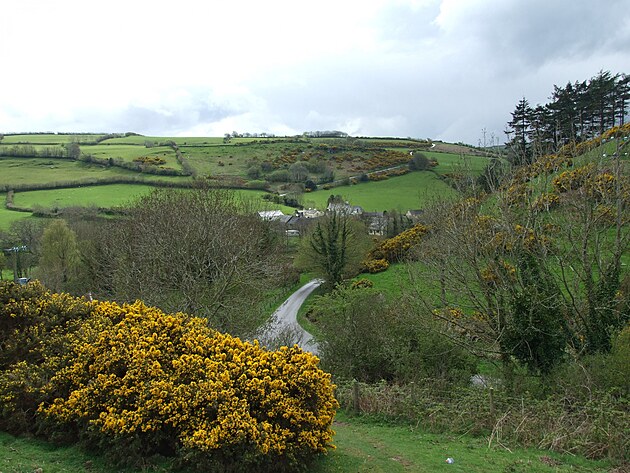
(520, 128)
(576, 112)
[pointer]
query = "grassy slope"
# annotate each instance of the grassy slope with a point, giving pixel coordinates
(451, 162)
(365, 445)
(362, 445)
(19, 171)
(47, 139)
(129, 153)
(8, 216)
(410, 191)
(100, 196)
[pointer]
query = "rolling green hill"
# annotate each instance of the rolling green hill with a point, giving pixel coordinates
(54, 171)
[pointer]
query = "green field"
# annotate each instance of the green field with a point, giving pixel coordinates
(409, 191)
(450, 162)
(207, 159)
(104, 196)
(48, 139)
(179, 140)
(212, 157)
(363, 445)
(37, 171)
(391, 281)
(4, 147)
(9, 216)
(129, 153)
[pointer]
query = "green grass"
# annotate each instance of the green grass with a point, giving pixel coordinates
(47, 139)
(410, 191)
(37, 147)
(102, 196)
(363, 444)
(206, 159)
(179, 140)
(451, 162)
(28, 171)
(366, 445)
(112, 195)
(129, 153)
(392, 281)
(27, 455)
(9, 216)
(105, 196)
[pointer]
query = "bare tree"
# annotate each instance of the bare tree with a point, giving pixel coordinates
(202, 252)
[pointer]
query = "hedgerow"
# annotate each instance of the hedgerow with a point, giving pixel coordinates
(137, 382)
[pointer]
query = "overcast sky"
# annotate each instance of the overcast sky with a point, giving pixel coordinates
(440, 69)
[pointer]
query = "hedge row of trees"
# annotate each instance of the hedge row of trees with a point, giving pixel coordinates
(578, 111)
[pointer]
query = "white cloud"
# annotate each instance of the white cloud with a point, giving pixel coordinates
(425, 68)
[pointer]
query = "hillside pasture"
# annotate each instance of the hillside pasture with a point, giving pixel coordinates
(48, 139)
(414, 190)
(221, 159)
(130, 153)
(450, 163)
(18, 172)
(178, 140)
(105, 196)
(6, 148)
(9, 216)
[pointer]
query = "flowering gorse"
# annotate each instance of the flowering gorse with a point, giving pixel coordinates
(168, 384)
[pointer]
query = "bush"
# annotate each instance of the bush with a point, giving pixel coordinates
(396, 248)
(376, 265)
(281, 175)
(598, 372)
(419, 162)
(362, 283)
(137, 382)
(596, 428)
(368, 339)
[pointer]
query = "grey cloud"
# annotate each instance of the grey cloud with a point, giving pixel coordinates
(535, 32)
(165, 121)
(407, 25)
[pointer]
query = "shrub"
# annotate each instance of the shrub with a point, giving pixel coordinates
(376, 265)
(138, 382)
(369, 339)
(362, 283)
(396, 248)
(595, 427)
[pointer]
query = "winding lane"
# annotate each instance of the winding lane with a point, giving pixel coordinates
(283, 326)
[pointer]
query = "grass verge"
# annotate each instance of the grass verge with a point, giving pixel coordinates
(363, 444)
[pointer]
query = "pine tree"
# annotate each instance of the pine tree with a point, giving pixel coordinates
(520, 128)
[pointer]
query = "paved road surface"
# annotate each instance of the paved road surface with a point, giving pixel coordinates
(283, 328)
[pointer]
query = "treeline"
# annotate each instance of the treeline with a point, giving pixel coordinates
(29, 151)
(576, 112)
(94, 182)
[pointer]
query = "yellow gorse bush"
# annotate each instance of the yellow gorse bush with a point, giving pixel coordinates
(395, 248)
(169, 384)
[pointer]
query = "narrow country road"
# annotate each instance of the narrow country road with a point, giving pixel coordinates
(283, 329)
